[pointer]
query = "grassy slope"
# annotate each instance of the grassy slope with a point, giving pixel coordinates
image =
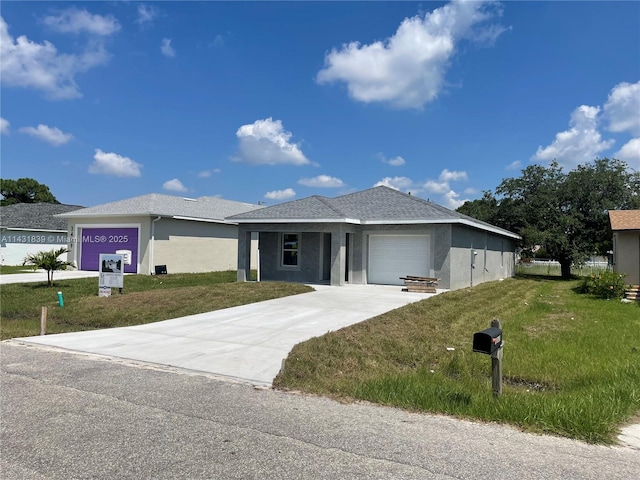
(145, 299)
(571, 363)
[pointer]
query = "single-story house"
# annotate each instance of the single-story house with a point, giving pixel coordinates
(163, 233)
(625, 225)
(27, 228)
(373, 236)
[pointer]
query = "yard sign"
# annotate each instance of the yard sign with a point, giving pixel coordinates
(111, 270)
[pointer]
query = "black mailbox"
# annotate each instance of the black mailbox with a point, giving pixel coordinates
(487, 341)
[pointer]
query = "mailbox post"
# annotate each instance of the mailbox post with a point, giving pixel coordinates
(489, 342)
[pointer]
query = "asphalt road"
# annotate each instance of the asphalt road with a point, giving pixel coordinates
(71, 416)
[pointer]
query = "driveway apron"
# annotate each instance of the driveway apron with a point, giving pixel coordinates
(247, 343)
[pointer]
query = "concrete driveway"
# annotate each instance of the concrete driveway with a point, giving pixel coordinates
(247, 343)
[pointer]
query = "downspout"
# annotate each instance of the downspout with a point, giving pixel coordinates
(152, 246)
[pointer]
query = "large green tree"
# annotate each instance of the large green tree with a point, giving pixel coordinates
(564, 213)
(24, 190)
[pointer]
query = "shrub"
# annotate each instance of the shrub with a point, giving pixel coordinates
(606, 284)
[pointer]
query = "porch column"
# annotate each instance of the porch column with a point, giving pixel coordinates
(338, 256)
(244, 254)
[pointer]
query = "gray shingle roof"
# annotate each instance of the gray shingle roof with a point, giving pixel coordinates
(35, 216)
(154, 204)
(376, 205)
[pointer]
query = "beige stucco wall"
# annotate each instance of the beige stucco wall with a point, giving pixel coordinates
(184, 246)
(626, 255)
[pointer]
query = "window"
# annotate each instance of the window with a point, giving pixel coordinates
(290, 249)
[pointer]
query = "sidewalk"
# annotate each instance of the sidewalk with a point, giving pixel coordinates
(41, 276)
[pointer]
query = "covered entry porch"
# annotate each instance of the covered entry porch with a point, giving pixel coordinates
(307, 253)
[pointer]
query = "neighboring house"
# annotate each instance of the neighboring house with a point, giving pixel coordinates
(27, 228)
(625, 225)
(374, 236)
(184, 234)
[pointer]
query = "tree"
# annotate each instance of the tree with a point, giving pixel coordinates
(24, 190)
(566, 214)
(48, 261)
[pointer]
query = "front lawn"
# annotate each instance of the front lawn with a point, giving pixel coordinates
(144, 299)
(571, 362)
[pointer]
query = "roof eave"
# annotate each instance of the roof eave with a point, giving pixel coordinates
(461, 221)
(204, 220)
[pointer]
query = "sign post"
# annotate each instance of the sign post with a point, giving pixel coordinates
(490, 342)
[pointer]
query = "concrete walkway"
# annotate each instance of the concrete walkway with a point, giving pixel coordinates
(247, 343)
(41, 276)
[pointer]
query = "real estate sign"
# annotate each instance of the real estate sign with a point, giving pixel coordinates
(111, 269)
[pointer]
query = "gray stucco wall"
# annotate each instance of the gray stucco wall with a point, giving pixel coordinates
(451, 248)
(626, 255)
(478, 256)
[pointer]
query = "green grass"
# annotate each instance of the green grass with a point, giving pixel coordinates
(571, 362)
(9, 269)
(145, 299)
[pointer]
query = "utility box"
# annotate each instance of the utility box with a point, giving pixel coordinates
(126, 256)
(487, 341)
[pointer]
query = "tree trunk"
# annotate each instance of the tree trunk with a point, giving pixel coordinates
(565, 269)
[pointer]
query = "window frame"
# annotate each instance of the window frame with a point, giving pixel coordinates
(283, 249)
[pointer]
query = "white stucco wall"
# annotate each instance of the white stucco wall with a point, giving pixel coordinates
(15, 245)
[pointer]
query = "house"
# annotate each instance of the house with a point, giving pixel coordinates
(625, 225)
(27, 228)
(373, 236)
(163, 233)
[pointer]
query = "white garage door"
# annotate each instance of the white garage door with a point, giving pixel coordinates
(395, 256)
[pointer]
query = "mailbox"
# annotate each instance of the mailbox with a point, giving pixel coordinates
(487, 341)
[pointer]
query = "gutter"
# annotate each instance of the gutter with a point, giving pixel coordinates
(152, 246)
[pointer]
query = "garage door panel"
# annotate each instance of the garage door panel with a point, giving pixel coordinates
(107, 240)
(395, 256)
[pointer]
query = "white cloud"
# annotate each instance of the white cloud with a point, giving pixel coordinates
(394, 162)
(73, 20)
(4, 126)
(146, 14)
(218, 41)
(322, 181)
(515, 165)
(581, 143)
(431, 186)
(447, 176)
(166, 48)
(280, 194)
(114, 164)
(630, 153)
(54, 135)
(452, 200)
(174, 185)
(39, 65)
(397, 183)
(622, 109)
(446, 196)
(208, 173)
(408, 69)
(266, 142)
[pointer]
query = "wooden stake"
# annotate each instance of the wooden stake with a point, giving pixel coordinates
(43, 321)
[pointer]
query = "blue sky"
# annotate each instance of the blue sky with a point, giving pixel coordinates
(273, 101)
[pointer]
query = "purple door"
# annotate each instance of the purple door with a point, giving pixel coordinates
(95, 241)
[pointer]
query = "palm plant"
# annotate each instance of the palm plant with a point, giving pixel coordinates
(48, 261)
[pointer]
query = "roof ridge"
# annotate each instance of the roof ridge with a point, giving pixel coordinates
(327, 202)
